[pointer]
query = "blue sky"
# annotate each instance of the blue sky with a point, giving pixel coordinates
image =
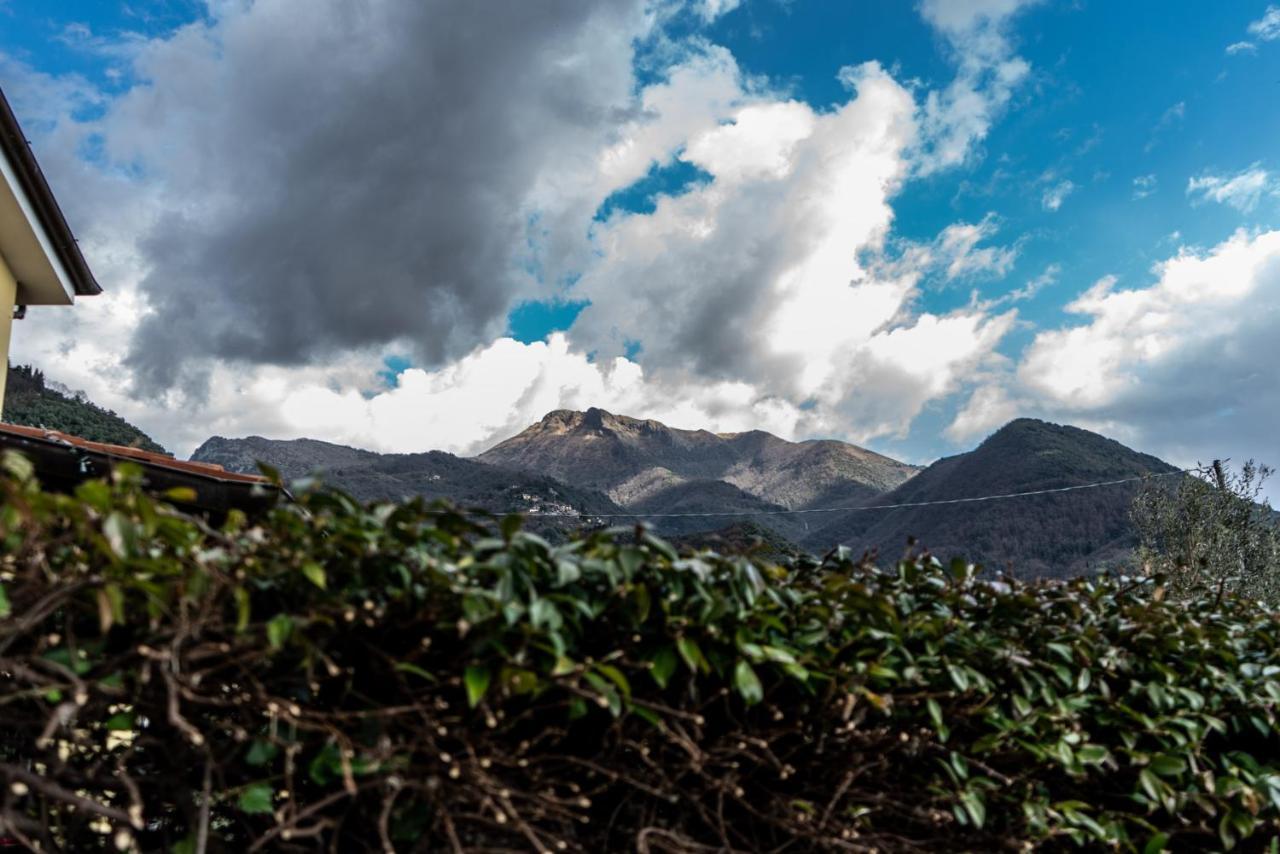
(1125, 137)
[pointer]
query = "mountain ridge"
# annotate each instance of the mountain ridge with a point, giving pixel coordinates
(609, 452)
(690, 484)
(371, 476)
(1054, 534)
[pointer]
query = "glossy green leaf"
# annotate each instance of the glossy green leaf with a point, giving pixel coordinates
(663, 665)
(692, 655)
(181, 494)
(256, 799)
(747, 683)
(241, 597)
(1168, 766)
(1092, 754)
(261, 753)
(415, 670)
(939, 723)
(975, 806)
(279, 628)
(122, 722)
(476, 679)
(615, 676)
(315, 574)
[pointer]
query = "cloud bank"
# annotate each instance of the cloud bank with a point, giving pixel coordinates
(1171, 364)
(289, 193)
(336, 175)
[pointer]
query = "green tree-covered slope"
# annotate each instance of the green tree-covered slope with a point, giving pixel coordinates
(1043, 535)
(31, 403)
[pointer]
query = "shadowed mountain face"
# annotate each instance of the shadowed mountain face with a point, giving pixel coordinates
(293, 458)
(1044, 535)
(596, 463)
(638, 462)
(370, 476)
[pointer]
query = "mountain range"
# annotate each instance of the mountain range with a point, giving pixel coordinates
(574, 469)
(432, 475)
(636, 462)
(612, 468)
(651, 468)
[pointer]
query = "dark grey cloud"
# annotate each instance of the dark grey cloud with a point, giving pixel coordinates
(740, 278)
(346, 174)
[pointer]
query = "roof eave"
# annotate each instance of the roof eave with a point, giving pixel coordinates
(14, 145)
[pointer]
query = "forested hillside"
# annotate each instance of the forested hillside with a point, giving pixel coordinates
(1041, 535)
(433, 475)
(29, 401)
(685, 482)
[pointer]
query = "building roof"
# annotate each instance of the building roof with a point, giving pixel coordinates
(31, 181)
(123, 452)
(61, 461)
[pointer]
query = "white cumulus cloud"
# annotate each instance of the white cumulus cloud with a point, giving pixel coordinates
(499, 389)
(1053, 197)
(960, 256)
(1267, 28)
(1182, 367)
(958, 117)
(755, 276)
(1241, 190)
(248, 240)
(712, 9)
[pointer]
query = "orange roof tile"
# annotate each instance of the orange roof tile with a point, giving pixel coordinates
(209, 470)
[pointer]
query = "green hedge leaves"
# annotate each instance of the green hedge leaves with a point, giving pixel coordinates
(401, 677)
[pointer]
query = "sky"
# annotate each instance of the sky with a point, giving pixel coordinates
(409, 226)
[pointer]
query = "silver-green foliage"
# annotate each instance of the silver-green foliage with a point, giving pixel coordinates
(1211, 533)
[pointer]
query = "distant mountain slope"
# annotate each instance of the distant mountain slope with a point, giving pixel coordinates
(635, 460)
(1056, 535)
(30, 402)
(570, 458)
(371, 476)
(712, 497)
(293, 458)
(435, 474)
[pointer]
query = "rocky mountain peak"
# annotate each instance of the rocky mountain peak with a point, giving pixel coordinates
(594, 419)
(598, 462)
(559, 419)
(630, 457)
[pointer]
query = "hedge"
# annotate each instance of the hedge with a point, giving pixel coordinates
(404, 678)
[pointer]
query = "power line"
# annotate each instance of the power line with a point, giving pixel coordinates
(727, 513)
(785, 512)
